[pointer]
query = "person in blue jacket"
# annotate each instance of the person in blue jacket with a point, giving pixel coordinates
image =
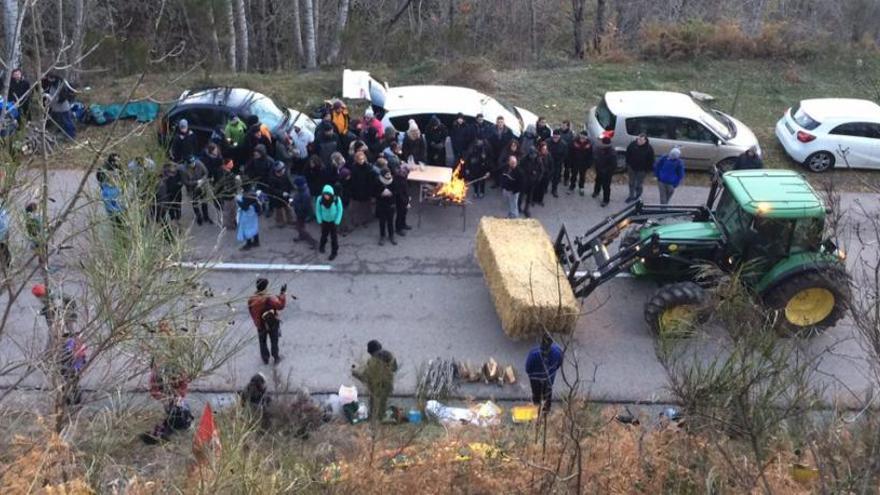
(328, 214)
(541, 366)
(669, 170)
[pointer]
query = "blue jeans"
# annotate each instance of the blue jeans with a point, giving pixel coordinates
(512, 200)
(636, 179)
(65, 122)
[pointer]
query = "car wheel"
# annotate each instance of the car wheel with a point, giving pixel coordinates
(819, 161)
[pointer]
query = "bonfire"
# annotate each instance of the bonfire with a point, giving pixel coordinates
(454, 191)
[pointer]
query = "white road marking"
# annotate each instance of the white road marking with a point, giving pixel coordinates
(257, 267)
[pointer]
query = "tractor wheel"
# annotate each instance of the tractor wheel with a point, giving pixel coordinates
(809, 302)
(675, 309)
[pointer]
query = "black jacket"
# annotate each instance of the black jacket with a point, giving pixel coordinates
(259, 169)
(19, 90)
(640, 158)
(606, 160)
(462, 136)
(559, 151)
(746, 162)
(544, 132)
(580, 154)
(477, 162)
(417, 148)
(498, 141)
(384, 204)
(183, 147)
(363, 182)
(512, 180)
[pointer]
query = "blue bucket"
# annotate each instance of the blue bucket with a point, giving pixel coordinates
(414, 416)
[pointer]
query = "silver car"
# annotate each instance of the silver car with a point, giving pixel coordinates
(706, 136)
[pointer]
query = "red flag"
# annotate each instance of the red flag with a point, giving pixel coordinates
(207, 437)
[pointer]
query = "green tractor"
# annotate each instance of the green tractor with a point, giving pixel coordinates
(771, 219)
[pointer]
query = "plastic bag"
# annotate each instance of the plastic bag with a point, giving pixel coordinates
(347, 394)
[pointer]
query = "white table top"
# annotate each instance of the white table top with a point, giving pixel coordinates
(431, 174)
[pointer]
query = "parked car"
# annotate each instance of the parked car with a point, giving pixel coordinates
(397, 105)
(208, 109)
(706, 136)
(832, 132)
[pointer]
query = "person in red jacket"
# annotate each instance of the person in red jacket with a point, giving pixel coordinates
(264, 309)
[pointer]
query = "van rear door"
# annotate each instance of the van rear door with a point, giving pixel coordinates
(359, 85)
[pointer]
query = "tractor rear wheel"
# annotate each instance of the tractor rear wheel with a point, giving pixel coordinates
(675, 309)
(809, 302)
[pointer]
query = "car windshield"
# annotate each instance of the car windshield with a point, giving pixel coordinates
(720, 123)
(267, 111)
(604, 116)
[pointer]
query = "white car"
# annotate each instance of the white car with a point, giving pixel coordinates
(397, 105)
(832, 132)
(707, 137)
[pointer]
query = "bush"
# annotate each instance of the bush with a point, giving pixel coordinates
(725, 40)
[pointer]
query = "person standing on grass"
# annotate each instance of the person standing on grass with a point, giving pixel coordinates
(328, 214)
(542, 364)
(639, 162)
(511, 186)
(669, 170)
(749, 160)
(606, 164)
(580, 159)
(385, 207)
(378, 376)
(263, 308)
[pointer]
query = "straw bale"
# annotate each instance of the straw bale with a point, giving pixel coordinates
(527, 284)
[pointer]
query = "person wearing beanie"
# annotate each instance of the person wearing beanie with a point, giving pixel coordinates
(639, 162)
(461, 135)
(184, 145)
(263, 308)
(414, 144)
(378, 376)
(606, 164)
(194, 176)
(370, 121)
(385, 204)
(542, 363)
(580, 159)
(529, 139)
(328, 214)
(669, 170)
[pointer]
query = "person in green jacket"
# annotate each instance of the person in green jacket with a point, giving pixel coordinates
(328, 214)
(235, 131)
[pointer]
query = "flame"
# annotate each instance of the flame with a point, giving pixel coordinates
(456, 189)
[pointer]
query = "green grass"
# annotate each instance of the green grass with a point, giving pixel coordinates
(766, 88)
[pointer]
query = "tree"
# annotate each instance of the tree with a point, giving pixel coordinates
(297, 32)
(242, 28)
(577, 19)
(311, 48)
(599, 30)
(215, 39)
(11, 32)
(336, 41)
(233, 39)
(79, 32)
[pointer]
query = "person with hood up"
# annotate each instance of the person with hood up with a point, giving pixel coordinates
(529, 140)
(606, 164)
(263, 308)
(477, 166)
(341, 120)
(195, 178)
(385, 207)
(248, 219)
(669, 170)
(328, 214)
(580, 159)
(260, 167)
(542, 363)
(378, 376)
(279, 190)
(749, 160)
(461, 135)
(559, 152)
(414, 144)
(184, 145)
(301, 202)
(362, 188)
(639, 162)
(435, 135)
(236, 134)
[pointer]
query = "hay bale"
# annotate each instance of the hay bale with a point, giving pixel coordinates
(527, 284)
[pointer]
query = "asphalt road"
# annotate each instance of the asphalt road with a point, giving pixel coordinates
(426, 298)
